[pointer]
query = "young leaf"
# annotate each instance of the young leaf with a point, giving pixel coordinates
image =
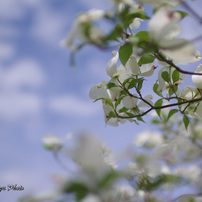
(155, 87)
(130, 17)
(158, 104)
(143, 36)
(139, 86)
(111, 85)
(175, 76)
(116, 33)
(112, 115)
(132, 83)
(171, 112)
(140, 119)
(79, 189)
(108, 179)
(183, 14)
(146, 58)
(165, 75)
(124, 109)
(186, 121)
(125, 52)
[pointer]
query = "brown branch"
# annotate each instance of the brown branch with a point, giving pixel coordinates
(161, 107)
(175, 66)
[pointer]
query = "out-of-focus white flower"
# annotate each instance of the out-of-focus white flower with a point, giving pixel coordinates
(163, 29)
(128, 2)
(136, 23)
(184, 54)
(149, 139)
(51, 142)
(107, 156)
(198, 113)
(124, 193)
(88, 155)
(77, 30)
(162, 23)
(197, 79)
(91, 198)
(193, 172)
(133, 169)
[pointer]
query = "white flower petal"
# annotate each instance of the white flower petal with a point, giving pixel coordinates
(99, 91)
(129, 102)
(197, 79)
(111, 68)
(133, 65)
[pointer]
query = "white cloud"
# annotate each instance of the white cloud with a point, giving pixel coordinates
(16, 105)
(15, 9)
(49, 25)
(71, 105)
(14, 102)
(26, 72)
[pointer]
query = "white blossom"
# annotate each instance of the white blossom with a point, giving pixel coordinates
(111, 68)
(197, 79)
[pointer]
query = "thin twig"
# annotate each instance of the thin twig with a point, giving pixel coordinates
(161, 107)
(192, 12)
(175, 66)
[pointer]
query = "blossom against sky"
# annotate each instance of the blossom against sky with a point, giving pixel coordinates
(40, 94)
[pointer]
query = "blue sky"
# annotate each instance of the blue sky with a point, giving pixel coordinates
(40, 94)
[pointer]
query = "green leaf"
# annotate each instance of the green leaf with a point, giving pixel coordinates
(132, 83)
(139, 86)
(143, 36)
(166, 77)
(155, 121)
(183, 14)
(131, 16)
(175, 76)
(111, 85)
(123, 109)
(130, 114)
(155, 87)
(186, 121)
(149, 184)
(125, 52)
(108, 179)
(116, 33)
(79, 189)
(171, 112)
(109, 102)
(158, 104)
(172, 90)
(146, 58)
(118, 101)
(140, 119)
(112, 115)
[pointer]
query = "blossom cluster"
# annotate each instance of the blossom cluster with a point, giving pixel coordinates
(141, 54)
